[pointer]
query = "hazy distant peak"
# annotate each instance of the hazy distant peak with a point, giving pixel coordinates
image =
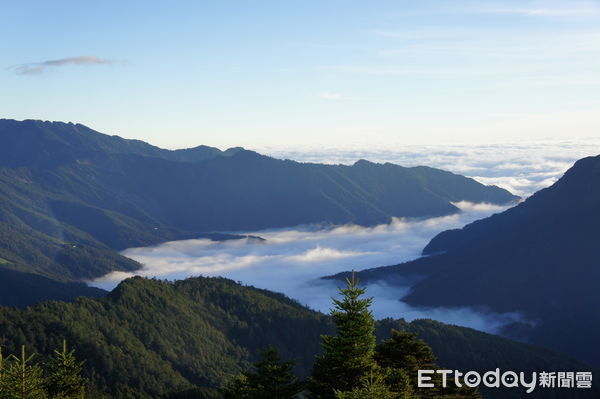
(363, 162)
(233, 150)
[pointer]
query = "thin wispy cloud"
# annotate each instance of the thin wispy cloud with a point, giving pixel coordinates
(394, 70)
(401, 34)
(37, 68)
(529, 55)
(548, 12)
(333, 96)
(423, 32)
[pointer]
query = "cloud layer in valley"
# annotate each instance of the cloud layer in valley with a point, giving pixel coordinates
(292, 260)
(522, 168)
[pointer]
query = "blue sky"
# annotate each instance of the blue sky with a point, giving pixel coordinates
(294, 73)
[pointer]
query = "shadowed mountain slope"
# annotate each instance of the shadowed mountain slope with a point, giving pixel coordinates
(540, 258)
(70, 197)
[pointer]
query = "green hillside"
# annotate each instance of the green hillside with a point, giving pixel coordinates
(150, 338)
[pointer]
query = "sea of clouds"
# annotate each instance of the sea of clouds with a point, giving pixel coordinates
(522, 168)
(292, 260)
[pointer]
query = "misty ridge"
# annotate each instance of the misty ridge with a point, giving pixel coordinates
(293, 260)
(340, 214)
(80, 206)
(73, 197)
(521, 168)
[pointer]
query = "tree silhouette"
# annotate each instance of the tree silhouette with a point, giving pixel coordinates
(348, 355)
(272, 378)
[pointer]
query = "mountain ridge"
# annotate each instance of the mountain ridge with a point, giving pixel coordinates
(55, 134)
(69, 190)
(538, 258)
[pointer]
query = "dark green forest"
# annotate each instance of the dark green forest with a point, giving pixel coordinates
(151, 338)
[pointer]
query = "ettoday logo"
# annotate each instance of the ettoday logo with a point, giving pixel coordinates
(507, 379)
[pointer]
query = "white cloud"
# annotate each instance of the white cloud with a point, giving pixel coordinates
(386, 304)
(482, 207)
(520, 167)
(319, 254)
(293, 260)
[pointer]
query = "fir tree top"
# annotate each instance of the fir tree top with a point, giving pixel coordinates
(348, 357)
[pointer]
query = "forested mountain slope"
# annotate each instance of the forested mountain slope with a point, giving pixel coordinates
(150, 338)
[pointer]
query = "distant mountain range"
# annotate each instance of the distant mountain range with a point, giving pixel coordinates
(71, 197)
(155, 339)
(541, 258)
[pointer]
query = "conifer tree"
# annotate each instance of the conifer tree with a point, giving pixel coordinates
(2, 373)
(22, 380)
(348, 355)
(402, 356)
(237, 388)
(373, 387)
(405, 351)
(64, 379)
(272, 378)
